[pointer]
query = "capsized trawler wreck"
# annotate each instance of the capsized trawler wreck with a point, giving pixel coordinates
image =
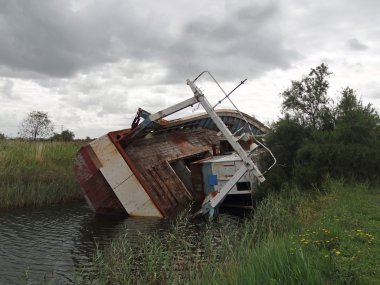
(157, 167)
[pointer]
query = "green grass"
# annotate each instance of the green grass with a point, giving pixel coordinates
(270, 263)
(346, 236)
(37, 173)
(333, 240)
(292, 238)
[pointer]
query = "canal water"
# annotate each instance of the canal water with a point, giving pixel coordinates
(51, 245)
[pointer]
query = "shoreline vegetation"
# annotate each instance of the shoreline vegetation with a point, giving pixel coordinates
(39, 173)
(330, 237)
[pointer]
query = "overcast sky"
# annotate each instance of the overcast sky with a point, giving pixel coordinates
(91, 63)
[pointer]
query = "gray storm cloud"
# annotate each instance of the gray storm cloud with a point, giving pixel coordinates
(6, 89)
(355, 44)
(52, 39)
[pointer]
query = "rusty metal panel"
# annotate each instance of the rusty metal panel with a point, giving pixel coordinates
(173, 195)
(138, 175)
(121, 179)
(101, 197)
(151, 157)
(95, 188)
(158, 176)
(85, 164)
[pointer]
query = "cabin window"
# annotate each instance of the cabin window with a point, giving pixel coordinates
(243, 186)
(225, 147)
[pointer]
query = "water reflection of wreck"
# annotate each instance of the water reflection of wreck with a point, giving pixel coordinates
(157, 167)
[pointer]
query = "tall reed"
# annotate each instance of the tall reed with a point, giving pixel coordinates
(168, 257)
(36, 173)
(188, 248)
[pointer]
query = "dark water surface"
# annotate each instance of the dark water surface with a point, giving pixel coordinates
(48, 245)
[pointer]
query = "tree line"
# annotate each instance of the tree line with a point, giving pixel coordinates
(317, 137)
(37, 125)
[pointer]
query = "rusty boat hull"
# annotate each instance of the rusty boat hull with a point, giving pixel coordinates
(159, 173)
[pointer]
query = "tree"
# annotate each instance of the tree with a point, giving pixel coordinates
(2, 136)
(284, 139)
(66, 136)
(356, 138)
(355, 123)
(351, 150)
(36, 124)
(307, 101)
(316, 138)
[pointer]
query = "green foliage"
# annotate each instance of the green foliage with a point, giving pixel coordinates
(286, 137)
(65, 135)
(356, 124)
(307, 101)
(36, 125)
(315, 140)
(313, 161)
(351, 150)
(2, 136)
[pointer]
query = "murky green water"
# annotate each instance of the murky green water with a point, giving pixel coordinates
(49, 245)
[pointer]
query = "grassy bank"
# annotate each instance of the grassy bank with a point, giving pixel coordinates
(334, 240)
(37, 173)
(292, 238)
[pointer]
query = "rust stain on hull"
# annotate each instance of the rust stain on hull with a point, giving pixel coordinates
(95, 188)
